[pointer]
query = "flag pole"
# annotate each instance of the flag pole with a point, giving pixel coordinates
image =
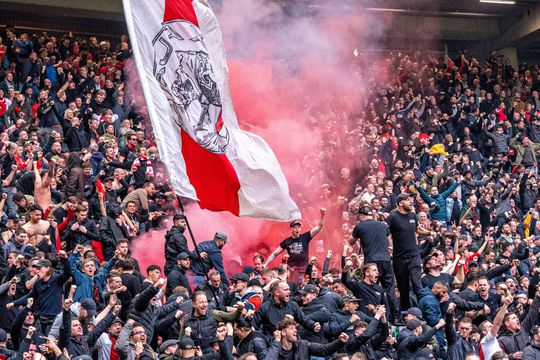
(197, 250)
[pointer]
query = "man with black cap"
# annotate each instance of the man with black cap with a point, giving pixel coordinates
(249, 340)
(86, 311)
(344, 319)
(47, 292)
(188, 349)
(177, 277)
(315, 310)
(211, 258)
(12, 224)
(433, 267)
(412, 340)
(168, 349)
(403, 225)
(72, 336)
(106, 341)
(373, 236)
(415, 313)
(240, 286)
(297, 247)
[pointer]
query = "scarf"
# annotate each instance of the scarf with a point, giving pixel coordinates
(149, 170)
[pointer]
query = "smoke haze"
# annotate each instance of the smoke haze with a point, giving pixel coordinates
(295, 82)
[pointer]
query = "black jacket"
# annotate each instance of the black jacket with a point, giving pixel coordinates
(372, 337)
(84, 345)
(317, 312)
(531, 352)
(147, 314)
(409, 344)
(110, 233)
(458, 347)
(304, 349)
(221, 292)
(177, 277)
(203, 329)
(77, 237)
(339, 322)
(255, 343)
(268, 316)
(330, 299)
(175, 243)
(76, 139)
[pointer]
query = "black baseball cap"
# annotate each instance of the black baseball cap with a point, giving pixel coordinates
(90, 306)
(413, 324)
(182, 256)
(350, 298)
(364, 210)
(309, 289)
(186, 343)
(413, 311)
(240, 277)
(249, 270)
(29, 251)
(43, 263)
(295, 223)
(401, 197)
(166, 344)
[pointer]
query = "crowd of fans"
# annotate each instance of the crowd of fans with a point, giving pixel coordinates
(440, 258)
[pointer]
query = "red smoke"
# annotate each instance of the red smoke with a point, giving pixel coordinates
(296, 83)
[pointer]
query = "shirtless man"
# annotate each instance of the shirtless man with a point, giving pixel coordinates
(42, 187)
(36, 227)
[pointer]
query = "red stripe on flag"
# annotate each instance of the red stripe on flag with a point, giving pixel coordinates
(180, 10)
(212, 176)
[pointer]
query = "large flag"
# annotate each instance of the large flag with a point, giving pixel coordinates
(180, 58)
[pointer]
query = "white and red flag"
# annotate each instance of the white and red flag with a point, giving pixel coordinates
(180, 58)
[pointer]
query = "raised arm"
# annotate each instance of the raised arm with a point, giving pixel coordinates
(498, 320)
(317, 229)
(273, 255)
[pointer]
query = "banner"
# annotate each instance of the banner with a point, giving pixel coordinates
(180, 57)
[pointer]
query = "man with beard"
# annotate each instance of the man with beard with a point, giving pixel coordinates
(277, 307)
(434, 273)
(175, 242)
(297, 246)
(214, 259)
(177, 277)
(203, 321)
(515, 337)
(370, 293)
(106, 341)
(403, 223)
(314, 308)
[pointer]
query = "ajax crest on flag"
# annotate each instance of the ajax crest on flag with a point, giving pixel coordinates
(180, 56)
(182, 68)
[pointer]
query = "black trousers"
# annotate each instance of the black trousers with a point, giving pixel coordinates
(408, 272)
(388, 282)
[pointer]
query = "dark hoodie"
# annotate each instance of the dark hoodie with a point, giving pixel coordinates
(175, 243)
